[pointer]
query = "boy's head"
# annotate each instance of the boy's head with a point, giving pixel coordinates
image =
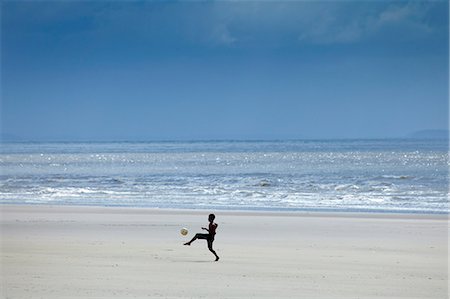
(211, 217)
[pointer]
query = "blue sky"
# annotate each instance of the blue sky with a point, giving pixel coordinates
(145, 70)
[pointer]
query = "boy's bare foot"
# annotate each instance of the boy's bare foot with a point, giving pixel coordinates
(217, 258)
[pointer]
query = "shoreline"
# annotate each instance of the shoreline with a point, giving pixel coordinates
(243, 212)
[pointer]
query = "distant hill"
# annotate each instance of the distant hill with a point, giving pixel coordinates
(430, 134)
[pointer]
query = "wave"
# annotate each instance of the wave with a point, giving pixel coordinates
(346, 187)
(396, 177)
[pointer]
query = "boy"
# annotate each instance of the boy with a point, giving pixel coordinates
(209, 237)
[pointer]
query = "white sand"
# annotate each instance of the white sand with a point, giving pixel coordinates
(77, 252)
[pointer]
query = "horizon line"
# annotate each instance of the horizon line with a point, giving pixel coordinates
(221, 140)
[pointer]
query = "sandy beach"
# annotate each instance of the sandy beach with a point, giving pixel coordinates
(89, 252)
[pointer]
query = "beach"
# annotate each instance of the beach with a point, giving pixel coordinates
(99, 252)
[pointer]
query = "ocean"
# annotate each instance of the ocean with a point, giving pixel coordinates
(387, 176)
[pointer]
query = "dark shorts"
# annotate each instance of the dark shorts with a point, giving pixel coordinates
(206, 237)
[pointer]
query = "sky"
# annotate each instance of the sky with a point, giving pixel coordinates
(156, 70)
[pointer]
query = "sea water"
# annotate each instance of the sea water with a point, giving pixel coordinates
(322, 175)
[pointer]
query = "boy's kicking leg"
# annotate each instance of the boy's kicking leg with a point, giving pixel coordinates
(197, 236)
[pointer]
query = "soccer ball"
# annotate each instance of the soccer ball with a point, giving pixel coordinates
(184, 231)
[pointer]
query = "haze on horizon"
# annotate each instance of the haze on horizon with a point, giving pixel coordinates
(101, 70)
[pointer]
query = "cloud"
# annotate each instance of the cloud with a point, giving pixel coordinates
(225, 24)
(330, 25)
(277, 24)
(221, 35)
(405, 20)
(411, 16)
(400, 13)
